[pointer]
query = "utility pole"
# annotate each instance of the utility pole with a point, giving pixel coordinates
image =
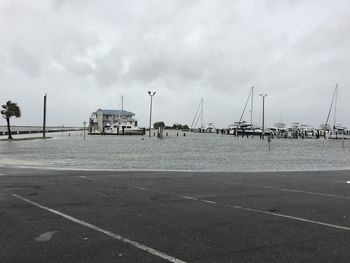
(44, 118)
(150, 112)
(263, 115)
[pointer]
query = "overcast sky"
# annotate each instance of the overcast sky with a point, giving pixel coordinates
(86, 54)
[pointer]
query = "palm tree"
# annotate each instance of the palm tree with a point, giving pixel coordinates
(10, 109)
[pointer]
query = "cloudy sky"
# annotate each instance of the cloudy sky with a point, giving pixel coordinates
(86, 54)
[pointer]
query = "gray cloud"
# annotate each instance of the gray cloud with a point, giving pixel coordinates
(96, 51)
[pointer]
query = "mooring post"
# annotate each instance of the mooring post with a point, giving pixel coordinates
(84, 129)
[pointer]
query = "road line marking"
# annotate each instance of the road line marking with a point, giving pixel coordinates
(83, 176)
(306, 192)
(291, 217)
(286, 189)
(257, 211)
(207, 201)
(106, 232)
(189, 197)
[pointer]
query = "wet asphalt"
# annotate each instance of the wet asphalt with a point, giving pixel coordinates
(144, 216)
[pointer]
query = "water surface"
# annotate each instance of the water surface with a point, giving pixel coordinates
(204, 152)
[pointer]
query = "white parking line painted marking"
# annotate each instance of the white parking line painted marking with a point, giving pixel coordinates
(285, 189)
(255, 210)
(83, 176)
(348, 182)
(106, 232)
(306, 192)
(208, 201)
(291, 217)
(189, 197)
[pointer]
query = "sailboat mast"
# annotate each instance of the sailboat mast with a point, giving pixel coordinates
(251, 108)
(245, 106)
(330, 108)
(202, 124)
(335, 105)
(196, 116)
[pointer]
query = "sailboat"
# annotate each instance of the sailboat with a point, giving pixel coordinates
(199, 115)
(243, 126)
(336, 129)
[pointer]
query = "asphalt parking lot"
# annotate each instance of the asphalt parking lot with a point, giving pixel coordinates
(144, 216)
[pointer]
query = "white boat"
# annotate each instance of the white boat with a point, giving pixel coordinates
(279, 125)
(127, 128)
(210, 127)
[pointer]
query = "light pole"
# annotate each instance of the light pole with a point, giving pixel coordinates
(263, 115)
(150, 112)
(84, 129)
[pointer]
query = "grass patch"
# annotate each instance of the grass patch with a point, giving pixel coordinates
(26, 139)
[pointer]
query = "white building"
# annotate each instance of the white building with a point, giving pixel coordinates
(102, 120)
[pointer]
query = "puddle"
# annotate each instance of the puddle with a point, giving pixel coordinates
(45, 236)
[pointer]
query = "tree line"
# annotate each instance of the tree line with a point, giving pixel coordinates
(176, 126)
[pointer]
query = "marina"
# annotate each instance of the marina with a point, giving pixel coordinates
(279, 129)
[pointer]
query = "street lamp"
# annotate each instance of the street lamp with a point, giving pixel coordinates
(263, 115)
(84, 129)
(150, 112)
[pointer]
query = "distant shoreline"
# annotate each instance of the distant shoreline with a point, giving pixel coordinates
(36, 127)
(53, 168)
(24, 139)
(17, 130)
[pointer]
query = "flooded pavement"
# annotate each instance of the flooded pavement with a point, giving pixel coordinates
(200, 152)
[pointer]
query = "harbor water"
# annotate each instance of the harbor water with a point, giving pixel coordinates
(199, 152)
